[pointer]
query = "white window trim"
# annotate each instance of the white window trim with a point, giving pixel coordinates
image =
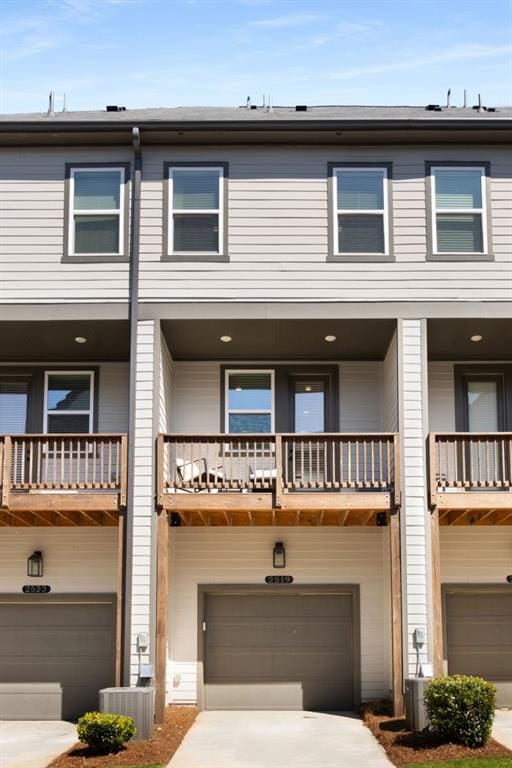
(218, 211)
(271, 410)
(480, 211)
(94, 211)
(47, 412)
(384, 212)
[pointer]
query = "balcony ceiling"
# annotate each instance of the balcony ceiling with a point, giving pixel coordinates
(451, 339)
(278, 339)
(55, 341)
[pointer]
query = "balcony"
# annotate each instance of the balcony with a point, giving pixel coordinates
(279, 479)
(471, 477)
(62, 479)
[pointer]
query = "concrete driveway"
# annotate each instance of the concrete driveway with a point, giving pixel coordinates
(34, 743)
(502, 728)
(284, 739)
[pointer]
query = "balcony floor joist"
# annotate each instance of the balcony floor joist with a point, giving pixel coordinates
(279, 517)
(32, 518)
(480, 517)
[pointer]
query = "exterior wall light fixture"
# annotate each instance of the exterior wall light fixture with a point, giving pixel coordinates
(35, 564)
(279, 555)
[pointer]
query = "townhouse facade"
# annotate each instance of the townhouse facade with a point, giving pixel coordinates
(255, 403)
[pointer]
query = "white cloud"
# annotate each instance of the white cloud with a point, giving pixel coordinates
(289, 20)
(456, 53)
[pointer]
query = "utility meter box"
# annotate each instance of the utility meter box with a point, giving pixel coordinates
(415, 712)
(138, 703)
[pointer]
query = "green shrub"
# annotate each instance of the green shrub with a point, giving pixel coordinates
(461, 708)
(104, 732)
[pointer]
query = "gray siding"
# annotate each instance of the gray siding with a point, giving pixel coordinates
(278, 230)
(441, 395)
(195, 404)
(32, 230)
(390, 387)
(113, 397)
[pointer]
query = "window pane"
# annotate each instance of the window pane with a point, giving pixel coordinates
(97, 234)
(249, 422)
(97, 190)
(360, 234)
(195, 189)
(68, 424)
(458, 189)
(360, 190)
(459, 233)
(483, 406)
(196, 232)
(309, 406)
(13, 407)
(69, 392)
(250, 390)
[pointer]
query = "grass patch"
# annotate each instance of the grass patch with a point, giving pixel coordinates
(469, 762)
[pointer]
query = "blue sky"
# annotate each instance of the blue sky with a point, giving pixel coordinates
(141, 53)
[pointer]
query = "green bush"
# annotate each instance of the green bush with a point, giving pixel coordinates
(461, 708)
(104, 732)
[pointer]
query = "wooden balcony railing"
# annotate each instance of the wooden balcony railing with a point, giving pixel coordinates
(281, 471)
(471, 470)
(68, 471)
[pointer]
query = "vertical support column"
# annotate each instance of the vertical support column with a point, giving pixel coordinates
(416, 526)
(143, 511)
(437, 603)
(162, 598)
(396, 614)
(120, 596)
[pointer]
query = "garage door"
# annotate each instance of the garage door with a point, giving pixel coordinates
(479, 636)
(279, 651)
(66, 640)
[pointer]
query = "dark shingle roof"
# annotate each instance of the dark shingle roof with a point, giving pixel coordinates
(260, 116)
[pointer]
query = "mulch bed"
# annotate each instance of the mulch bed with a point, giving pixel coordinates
(404, 747)
(159, 749)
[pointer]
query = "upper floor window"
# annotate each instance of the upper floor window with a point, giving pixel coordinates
(196, 212)
(97, 213)
(68, 401)
(458, 215)
(361, 222)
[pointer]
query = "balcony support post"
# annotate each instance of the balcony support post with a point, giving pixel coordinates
(120, 596)
(396, 613)
(6, 471)
(437, 604)
(162, 598)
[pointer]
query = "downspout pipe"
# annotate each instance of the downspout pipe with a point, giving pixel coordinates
(133, 320)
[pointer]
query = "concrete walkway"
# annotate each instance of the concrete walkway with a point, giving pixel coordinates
(34, 743)
(502, 728)
(278, 739)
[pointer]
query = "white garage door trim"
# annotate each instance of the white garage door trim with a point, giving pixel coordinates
(203, 590)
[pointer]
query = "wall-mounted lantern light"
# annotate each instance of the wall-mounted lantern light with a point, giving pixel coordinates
(35, 564)
(279, 555)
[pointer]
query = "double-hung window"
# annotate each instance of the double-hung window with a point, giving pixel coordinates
(196, 212)
(249, 398)
(97, 212)
(360, 227)
(459, 226)
(68, 398)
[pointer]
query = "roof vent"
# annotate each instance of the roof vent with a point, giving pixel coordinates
(115, 108)
(433, 108)
(301, 108)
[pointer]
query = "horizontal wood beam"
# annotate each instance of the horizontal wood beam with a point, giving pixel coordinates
(363, 502)
(65, 502)
(474, 500)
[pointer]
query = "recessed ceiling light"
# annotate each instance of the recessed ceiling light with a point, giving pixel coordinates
(476, 337)
(80, 340)
(226, 339)
(238, 389)
(307, 389)
(330, 337)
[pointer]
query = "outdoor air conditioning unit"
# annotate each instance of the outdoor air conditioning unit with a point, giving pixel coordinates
(415, 711)
(138, 703)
